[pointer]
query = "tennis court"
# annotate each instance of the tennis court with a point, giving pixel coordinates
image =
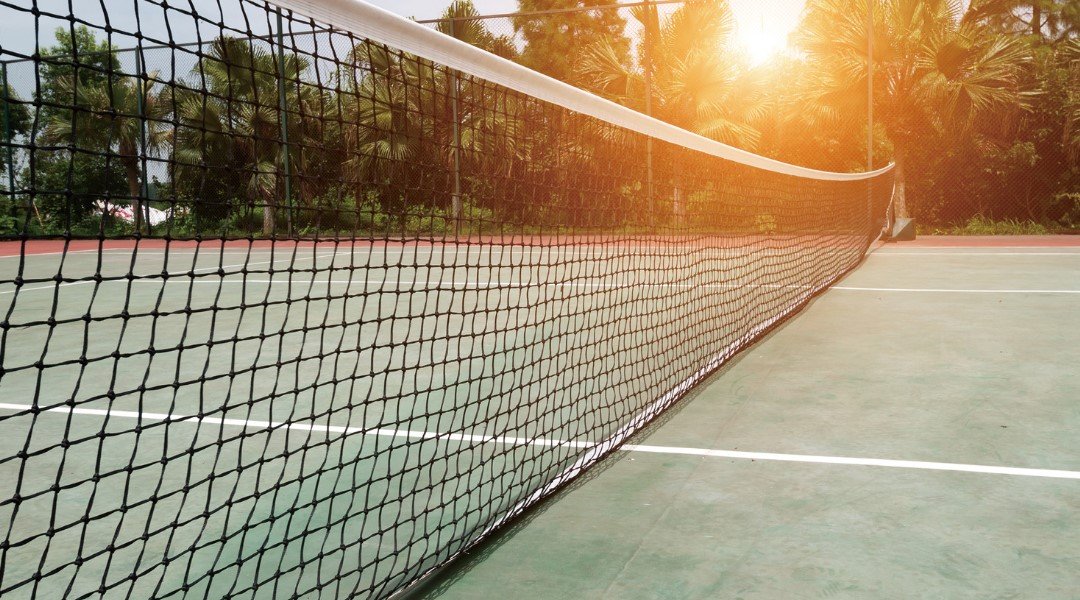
(911, 434)
(232, 402)
(912, 430)
(307, 299)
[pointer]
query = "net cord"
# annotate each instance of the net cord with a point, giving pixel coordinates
(382, 26)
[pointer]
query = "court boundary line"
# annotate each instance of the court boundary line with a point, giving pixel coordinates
(27, 255)
(593, 447)
(451, 285)
(848, 288)
(185, 278)
(868, 462)
(637, 251)
(178, 274)
(298, 426)
(936, 253)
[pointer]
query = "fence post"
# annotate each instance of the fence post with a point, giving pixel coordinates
(284, 120)
(870, 85)
(143, 214)
(455, 208)
(648, 59)
(7, 138)
(870, 108)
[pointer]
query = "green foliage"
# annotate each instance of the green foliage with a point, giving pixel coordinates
(980, 225)
(766, 224)
(9, 224)
(424, 222)
(14, 121)
(67, 183)
(66, 187)
(235, 129)
(1066, 210)
(1044, 21)
(695, 85)
(97, 61)
(980, 110)
(554, 43)
(473, 31)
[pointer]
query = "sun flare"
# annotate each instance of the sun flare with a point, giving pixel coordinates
(761, 44)
(763, 27)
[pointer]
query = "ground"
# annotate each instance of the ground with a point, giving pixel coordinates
(893, 365)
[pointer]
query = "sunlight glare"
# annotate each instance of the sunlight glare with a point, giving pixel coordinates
(761, 45)
(763, 26)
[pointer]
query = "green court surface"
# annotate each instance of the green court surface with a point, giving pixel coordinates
(307, 411)
(912, 433)
(919, 437)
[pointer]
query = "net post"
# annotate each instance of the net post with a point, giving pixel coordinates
(455, 199)
(10, 155)
(283, 119)
(648, 59)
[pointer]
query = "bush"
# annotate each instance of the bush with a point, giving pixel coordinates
(1067, 209)
(423, 220)
(766, 224)
(9, 225)
(980, 225)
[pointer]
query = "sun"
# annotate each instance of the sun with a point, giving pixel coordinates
(761, 44)
(762, 28)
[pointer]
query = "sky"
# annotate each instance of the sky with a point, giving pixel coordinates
(431, 9)
(762, 23)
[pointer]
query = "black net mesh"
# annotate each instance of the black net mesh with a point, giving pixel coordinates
(288, 312)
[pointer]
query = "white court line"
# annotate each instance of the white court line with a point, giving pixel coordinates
(434, 285)
(33, 254)
(949, 291)
(386, 285)
(200, 269)
(619, 252)
(45, 287)
(989, 248)
(652, 250)
(887, 253)
(594, 448)
(866, 462)
(267, 425)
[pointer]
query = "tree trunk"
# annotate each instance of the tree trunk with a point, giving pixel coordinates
(900, 187)
(131, 171)
(678, 207)
(678, 201)
(268, 217)
(1036, 18)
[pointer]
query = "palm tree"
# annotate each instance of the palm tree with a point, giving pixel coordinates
(1052, 21)
(935, 72)
(380, 101)
(555, 43)
(121, 112)
(232, 122)
(398, 115)
(1072, 123)
(461, 20)
(695, 84)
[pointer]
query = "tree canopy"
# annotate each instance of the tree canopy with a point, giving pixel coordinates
(976, 103)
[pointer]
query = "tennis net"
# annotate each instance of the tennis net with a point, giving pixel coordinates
(304, 299)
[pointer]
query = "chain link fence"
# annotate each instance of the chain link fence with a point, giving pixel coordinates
(1013, 169)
